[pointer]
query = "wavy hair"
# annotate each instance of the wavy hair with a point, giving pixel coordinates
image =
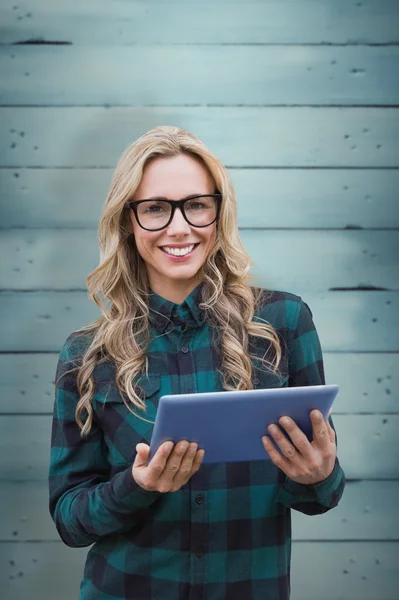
(119, 285)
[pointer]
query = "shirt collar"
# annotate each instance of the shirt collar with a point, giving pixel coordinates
(163, 312)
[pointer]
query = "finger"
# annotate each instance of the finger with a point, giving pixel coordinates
(199, 457)
(299, 439)
(278, 459)
(190, 464)
(331, 432)
(320, 431)
(285, 445)
(174, 461)
(142, 456)
(183, 474)
(159, 460)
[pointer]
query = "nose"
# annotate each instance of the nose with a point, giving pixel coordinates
(178, 225)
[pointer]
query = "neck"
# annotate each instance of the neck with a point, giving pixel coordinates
(175, 291)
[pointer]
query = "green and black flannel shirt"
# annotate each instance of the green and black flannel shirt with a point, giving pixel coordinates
(226, 535)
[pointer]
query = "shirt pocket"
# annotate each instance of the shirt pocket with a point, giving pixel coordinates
(126, 426)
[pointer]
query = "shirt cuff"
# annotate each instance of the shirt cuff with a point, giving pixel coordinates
(321, 492)
(128, 494)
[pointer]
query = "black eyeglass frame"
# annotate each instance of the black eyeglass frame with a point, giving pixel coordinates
(133, 204)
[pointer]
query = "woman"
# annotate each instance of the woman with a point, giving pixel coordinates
(179, 316)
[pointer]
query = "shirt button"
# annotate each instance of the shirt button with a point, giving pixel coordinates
(184, 349)
(199, 552)
(199, 499)
(256, 380)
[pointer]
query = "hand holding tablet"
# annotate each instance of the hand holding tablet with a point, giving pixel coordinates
(303, 461)
(229, 426)
(171, 467)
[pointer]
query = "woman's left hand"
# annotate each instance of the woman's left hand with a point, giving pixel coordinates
(303, 461)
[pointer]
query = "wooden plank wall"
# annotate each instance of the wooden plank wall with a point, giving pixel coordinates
(300, 100)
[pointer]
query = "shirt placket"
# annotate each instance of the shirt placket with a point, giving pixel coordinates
(198, 500)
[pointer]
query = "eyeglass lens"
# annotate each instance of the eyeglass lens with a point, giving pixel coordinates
(154, 214)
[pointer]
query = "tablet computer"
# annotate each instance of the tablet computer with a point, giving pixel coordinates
(229, 425)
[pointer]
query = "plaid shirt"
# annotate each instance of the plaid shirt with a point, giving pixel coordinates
(227, 533)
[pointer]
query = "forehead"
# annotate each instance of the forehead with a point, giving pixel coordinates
(175, 177)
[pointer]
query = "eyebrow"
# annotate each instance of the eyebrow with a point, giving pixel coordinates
(173, 200)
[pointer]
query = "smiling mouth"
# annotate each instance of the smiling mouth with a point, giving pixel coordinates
(173, 251)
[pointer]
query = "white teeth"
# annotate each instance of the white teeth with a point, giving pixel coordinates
(178, 251)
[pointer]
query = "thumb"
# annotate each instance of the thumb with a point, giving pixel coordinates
(143, 454)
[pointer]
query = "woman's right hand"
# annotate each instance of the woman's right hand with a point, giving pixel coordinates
(170, 468)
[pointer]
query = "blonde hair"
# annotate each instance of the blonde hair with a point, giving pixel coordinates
(123, 331)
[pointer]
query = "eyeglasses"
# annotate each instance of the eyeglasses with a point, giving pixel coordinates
(198, 211)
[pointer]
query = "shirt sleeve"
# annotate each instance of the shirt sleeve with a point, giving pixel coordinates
(86, 504)
(306, 368)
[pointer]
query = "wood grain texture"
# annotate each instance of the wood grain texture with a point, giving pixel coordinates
(200, 75)
(283, 198)
(353, 570)
(301, 156)
(180, 22)
(368, 382)
(367, 511)
(62, 259)
(246, 136)
(345, 321)
(349, 570)
(367, 446)
(40, 571)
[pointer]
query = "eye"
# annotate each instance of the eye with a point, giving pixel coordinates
(155, 208)
(196, 205)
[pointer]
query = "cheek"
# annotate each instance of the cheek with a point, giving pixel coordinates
(145, 241)
(211, 236)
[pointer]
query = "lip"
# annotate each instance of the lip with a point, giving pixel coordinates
(179, 258)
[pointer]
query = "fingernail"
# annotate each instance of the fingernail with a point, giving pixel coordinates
(285, 421)
(273, 429)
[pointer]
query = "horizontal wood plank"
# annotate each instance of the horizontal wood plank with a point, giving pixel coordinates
(367, 511)
(40, 571)
(283, 198)
(279, 137)
(346, 321)
(37, 259)
(367, 446)
(179, 22)
(368, 382)
(344, 571)
(200, 75)
(355, 570)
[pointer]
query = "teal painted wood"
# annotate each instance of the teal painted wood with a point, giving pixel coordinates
(367, 511)
(283, 198)
(368, 382)
(353, 570)
(346, 321)
(367, 445)
(61, 259)
(247, 136)
(344, 571)
(268, 75)
(253, 21)
(40, 571)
